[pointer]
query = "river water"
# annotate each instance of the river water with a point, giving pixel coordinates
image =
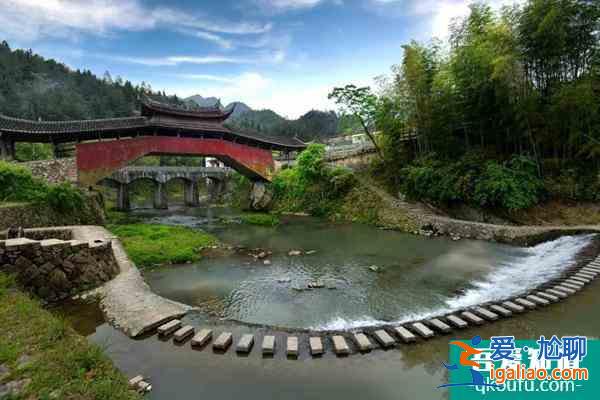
(414, 276)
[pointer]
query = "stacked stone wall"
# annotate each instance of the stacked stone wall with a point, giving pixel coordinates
(54, 171)
(55, 269)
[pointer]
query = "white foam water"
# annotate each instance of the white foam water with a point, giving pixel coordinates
(533, 266)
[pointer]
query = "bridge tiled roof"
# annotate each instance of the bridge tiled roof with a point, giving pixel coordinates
(17, 125)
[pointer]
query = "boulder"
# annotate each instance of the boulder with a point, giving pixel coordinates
(261, 196)
(58, 280)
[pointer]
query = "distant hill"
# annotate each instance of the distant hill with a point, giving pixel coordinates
(312, 126)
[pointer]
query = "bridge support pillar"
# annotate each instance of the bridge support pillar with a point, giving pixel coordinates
(160, 196)
(191, 195)
(215, 189)
(7, 149)
(123, 203)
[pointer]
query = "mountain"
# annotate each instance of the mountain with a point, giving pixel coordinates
(204, 101)
(240, 109)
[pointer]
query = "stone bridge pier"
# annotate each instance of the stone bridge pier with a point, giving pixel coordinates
(161, 176)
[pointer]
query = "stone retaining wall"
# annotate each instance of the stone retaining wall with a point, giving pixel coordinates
(55, 269)
(54, 171)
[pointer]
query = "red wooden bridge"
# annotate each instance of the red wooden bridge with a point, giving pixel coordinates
(106, 145)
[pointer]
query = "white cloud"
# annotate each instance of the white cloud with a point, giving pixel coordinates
(211, 37)
(275, 57)
(28, 20)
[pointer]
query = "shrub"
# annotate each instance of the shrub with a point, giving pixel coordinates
(64, 197)
(260, 219)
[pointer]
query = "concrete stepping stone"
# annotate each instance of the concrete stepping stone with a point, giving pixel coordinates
(202, 337)
(557, 293)
(439, 325)
(513, 307)
(591, 271)
(547, 296)
(587, 274)
(362, 342)
(456, 322)
(183, 333)
(268, 345)
(223, 341)
(422, 330)
(474, 319)
(406, 335)
(245, 344)
(384, 338)
(571, 286)
(135, 381)
(575, 283)
(584, 277)
(565, 289)
(292, 346)
(487, 314)
(579, 279)
(500, 310)
(169, 327)
(316, 346)
(340, 347)
(538, 300)
(594, 265)
(525, 303)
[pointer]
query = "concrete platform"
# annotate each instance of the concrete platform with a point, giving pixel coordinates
(169, 327)
(223, 341)
(500, 310)
(538, 300)
(525, 303)
(292, 346)
(516, 308)
(456, 322)
(183, 333)
(384, 338)
(422, 330)
(316, 346)
(439, 325)
(202, 337)
(268, 345)
(405, 335)
(557, 293)
(340, 347)
(486, 314)
(472, 318)
(362, 342)
(245, 344)
(547, 296)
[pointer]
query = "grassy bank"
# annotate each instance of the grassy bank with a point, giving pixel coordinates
(260, 219)
(44, 351)
(150, 245)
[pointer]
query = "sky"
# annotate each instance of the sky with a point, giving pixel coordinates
(285, 55)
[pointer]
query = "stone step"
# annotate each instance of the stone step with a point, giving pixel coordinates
(525, 303)
(384, 338)
(245, 344)
(565, 289)
(579, 279)
(340, 347)
(591, 271)
(405, 335)
(584, 277)
(500, 310)
(557, 293)
(547, 296)
(487, 314)
(183, 333)
(223, 341)
(538, 300)
(169, 327)
(292, 346)
(513, 307)
(316, 346)
(202, 337)
(456, 322)
(439, 325)
(135, 381)
(268, 345)
(571, 286)
(472, 318)
(572, 282)
(594, 265)
(362, 342)
(422, 330)
(587, 274)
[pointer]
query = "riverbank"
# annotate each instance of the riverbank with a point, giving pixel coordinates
(41, 356)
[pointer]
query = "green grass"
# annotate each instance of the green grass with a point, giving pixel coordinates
(62, 362)
(150, 245)
(260, 219)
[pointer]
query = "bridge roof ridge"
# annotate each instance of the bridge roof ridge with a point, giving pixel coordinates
(151, 106)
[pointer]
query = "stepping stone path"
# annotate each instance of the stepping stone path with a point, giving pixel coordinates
(245, 344)
(571, 286)
(456, 322)
(183, 333)
(362, 342)
(422, 330)
(513, 307)
(292, 346)
(500, 310)
(538, 300)
(557, 293)
(202, 337)
(316, 346)
(340, 347)
(384, 338)
(223, 342)
(565, 289)
(487, 314)
(469, 316)
(439, 325)
(547, 296)
(406, 335)
(169, 327)
(525, 303)
(268, 345)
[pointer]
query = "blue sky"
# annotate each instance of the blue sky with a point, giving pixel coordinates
(280, 54)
